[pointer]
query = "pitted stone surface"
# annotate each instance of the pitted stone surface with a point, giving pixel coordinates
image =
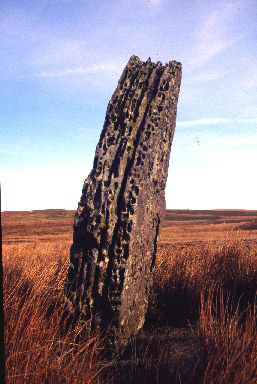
(119, 216)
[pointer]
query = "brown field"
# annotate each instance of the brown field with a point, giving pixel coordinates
(181, 226)
(201, 322)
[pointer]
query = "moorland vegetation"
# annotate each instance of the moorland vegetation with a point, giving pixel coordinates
(201, 322)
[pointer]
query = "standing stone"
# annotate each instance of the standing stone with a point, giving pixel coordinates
(118, 220)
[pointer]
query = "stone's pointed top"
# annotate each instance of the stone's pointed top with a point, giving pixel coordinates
(173, 62)
(134, 60)
(149, 60)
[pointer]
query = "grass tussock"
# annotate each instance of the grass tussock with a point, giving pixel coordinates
(35, 351)
(182, 272)
(229, 343)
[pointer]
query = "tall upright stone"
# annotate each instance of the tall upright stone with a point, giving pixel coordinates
(118, 220)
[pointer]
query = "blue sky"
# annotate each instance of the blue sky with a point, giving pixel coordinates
(60, 63)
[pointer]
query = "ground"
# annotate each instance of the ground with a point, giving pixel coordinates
(203, 254)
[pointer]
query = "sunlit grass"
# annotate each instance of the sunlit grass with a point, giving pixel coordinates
(229, 343)
(36, 352)
(182, 272)
(211, 286)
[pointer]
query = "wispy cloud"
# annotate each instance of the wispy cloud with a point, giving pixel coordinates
(251, 83)
(211, 38)
(206, 51)
(250, 110)
(215, 121)
(204, 77)
(94, 69)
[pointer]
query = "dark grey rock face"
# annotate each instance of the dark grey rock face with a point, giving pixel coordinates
(118, 220)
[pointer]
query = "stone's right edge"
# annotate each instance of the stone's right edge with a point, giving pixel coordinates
(145, 194)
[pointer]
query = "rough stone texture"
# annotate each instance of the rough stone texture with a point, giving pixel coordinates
(119, 216)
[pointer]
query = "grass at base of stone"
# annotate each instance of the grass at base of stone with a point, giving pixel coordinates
(183, 272)
(158, 355)
(228, 339)
(187, 281)
(221, 349)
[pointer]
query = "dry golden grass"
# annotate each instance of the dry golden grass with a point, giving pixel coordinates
(229, 345)
(183, 271)
(214, 278)
(202, 265)
(36, 352)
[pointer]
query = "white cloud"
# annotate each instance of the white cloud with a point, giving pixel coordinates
(250, 110)
(205, 51)
(214, 121)
(93, 69)
(216, 19)
(211, 38)
(251, 83)
(205, 77)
